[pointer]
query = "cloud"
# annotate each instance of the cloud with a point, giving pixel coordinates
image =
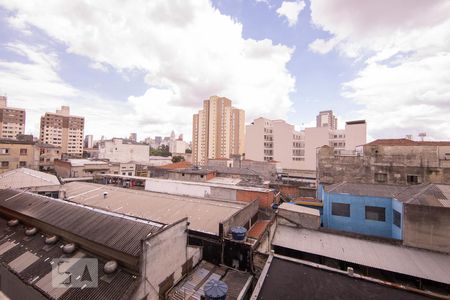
(187, 50)
(404, 50)
(290, 10)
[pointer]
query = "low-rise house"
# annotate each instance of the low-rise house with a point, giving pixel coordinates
(47, 156)
(76, 168)
(18, 153)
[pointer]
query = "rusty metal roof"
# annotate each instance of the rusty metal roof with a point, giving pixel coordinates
(120, 233)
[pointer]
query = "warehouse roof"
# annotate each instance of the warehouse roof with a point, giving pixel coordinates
(115, 231)
(281, 277)
(203, 214)
(25, 178)
(406, 142)
(31, 260)
(404, 260)
(422, 194)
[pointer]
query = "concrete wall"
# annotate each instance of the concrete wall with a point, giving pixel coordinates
(357, 221)
(240, 218)
(397, 162)
(291, 214)
(177, 188)
(117, 151)
(427, 227)
(164, 255)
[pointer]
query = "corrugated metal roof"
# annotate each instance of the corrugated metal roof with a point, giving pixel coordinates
(100, 227)
(404, 260)
(30, 259)
(204, 215)
(23, 178)
(406, 142)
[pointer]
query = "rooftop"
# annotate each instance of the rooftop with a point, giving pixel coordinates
(177, 165)
(204, 215)
(299, 209)
(281, 277)
(400, 259)
(115, 231)
(31, 260)
(26, 178)
(422, 194)
(79, 162)
(406, 142)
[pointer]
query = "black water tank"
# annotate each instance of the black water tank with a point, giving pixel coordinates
(215, 290)
(238, 233)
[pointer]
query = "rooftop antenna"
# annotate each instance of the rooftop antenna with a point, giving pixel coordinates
(422, 135)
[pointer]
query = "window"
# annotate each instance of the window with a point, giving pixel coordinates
(375, 213)
(5, 164)
(397, 219)
(380, 177)
(23, 151)
(340, 209)
(22, 164)
(4, 151)
(412, 179)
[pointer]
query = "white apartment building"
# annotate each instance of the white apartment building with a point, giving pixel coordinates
(63, 130)
(12, 120)
(121, 150)
(217, 131)
(268, 140)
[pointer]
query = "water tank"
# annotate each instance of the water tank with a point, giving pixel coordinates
(215, 290)
(238, 233)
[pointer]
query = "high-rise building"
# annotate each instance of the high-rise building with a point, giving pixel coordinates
(326, 119)
(63, 130)
(268, 140)
(89, 141)
(217, 131)
(133, 137)
(12, 120)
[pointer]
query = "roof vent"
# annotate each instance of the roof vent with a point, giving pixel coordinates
(69, 248)
(350, 271)
(215, 290)
(110, 267)
(105, 194)
(51, 240)
(31, 231)
(13, 222)
(239, 233)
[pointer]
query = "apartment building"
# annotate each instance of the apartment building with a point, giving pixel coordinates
(277, 140)
(326, 118)
(218, 131)
(12, 120)
(63, 130)
(122, 150)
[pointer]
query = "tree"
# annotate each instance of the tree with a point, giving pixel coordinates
(177, 158)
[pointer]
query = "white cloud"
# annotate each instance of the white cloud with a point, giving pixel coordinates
(403, 85)
(290, 10)
(187, 49)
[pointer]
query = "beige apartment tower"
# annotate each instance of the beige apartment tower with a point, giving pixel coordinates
(217, 131)
(63, 130)
(12, 120)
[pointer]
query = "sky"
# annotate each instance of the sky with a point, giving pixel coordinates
(146, 66)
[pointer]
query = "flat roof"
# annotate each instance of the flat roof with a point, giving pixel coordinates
(79, 162)
(23, 178)
(400, 259)
(429, 194)
(299, 209)
(406, 142)
(212, 184)
(291, 280)
(203, 214)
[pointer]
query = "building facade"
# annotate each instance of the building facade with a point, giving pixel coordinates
(326, 119)
(12, 120)
(63, 130)
(89, 141)
(218, 131)
(388, 161)
(120, 150)
(276, 140)
(18, 154)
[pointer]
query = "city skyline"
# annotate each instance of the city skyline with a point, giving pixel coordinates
(273, 59)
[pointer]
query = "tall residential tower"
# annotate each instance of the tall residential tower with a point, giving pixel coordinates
(12, 120)
(218, 131)
(63, 130)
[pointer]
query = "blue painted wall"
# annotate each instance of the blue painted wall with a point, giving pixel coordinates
(357, 221)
